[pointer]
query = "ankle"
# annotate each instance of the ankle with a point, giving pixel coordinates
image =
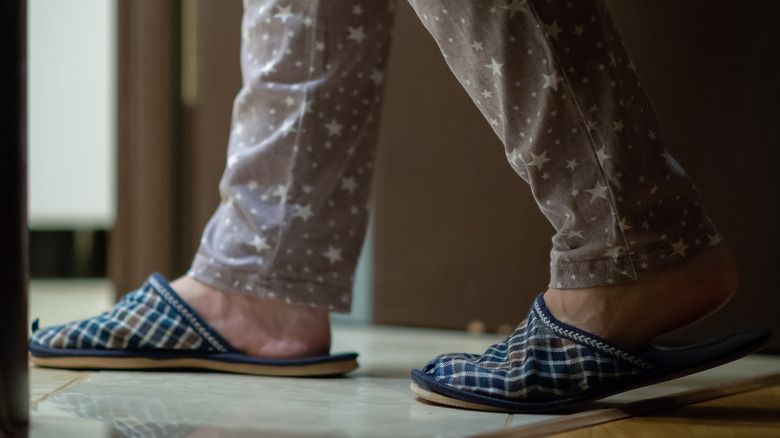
(256, 326)
(633, 313)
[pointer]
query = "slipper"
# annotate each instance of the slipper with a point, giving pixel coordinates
(153, 328)
(546, 365)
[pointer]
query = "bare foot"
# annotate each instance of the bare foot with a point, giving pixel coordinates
(631, 314)
(259, 327)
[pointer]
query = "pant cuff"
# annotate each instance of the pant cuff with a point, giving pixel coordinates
(626, 266)
(318, 294)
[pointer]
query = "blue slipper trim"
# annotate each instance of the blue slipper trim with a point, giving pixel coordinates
(663, 364)
(164, 289)
(224, 352)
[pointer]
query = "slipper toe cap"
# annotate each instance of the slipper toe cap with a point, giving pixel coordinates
(534, 364)
(140, 320)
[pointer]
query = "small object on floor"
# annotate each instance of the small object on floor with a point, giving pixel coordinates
(505, 329)
(476, 327)
(152, 329)
(546, 365)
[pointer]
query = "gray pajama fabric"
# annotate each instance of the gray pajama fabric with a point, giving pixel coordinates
(551, 77)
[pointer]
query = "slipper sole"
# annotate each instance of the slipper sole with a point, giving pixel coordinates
(439, 399)
(433, 391)
(109, 363)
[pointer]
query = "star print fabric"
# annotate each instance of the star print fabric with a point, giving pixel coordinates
(551, 77)
(297, 183)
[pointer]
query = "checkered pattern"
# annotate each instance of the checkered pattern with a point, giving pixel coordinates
(543, 360)
(152, 317)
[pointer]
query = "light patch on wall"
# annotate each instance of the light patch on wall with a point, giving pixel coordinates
(72, 113)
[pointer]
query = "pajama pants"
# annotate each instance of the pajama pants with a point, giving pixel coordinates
(552, 79)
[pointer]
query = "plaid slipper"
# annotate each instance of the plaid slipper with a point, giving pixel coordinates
(546, 365)
(153, 328)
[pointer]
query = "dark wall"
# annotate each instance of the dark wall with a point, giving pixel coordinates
(458, 236)
(712, 69)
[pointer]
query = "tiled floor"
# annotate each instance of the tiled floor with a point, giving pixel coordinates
(374, 401)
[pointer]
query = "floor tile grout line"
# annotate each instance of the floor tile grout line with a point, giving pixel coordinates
(70, 384)
(642, 407)
(508, 422)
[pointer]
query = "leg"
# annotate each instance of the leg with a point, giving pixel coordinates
(280, 251)
(553, 80)
(634, 254)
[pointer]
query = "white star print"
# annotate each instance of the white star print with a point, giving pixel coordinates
(268, 68)
(575, 233)
(287, 127)
(618, 126)
(515, 7)
(232, 160)
(259, 243)
(623, 225)
(552, 29)
(495, 66)
(476, 45)
(538, 160)
(357, 10)
(349, 184)
(714, 239)
(679, 248)
(252, 185)
(333, 254)
(602, 155)
(486, 94)
(356, 34)
(597, 192)
(614, 252)
(303, 211)
(284, 13)
(377, 77)
(334, 128)
(551, 81)
(571, 164)
(281, 191)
